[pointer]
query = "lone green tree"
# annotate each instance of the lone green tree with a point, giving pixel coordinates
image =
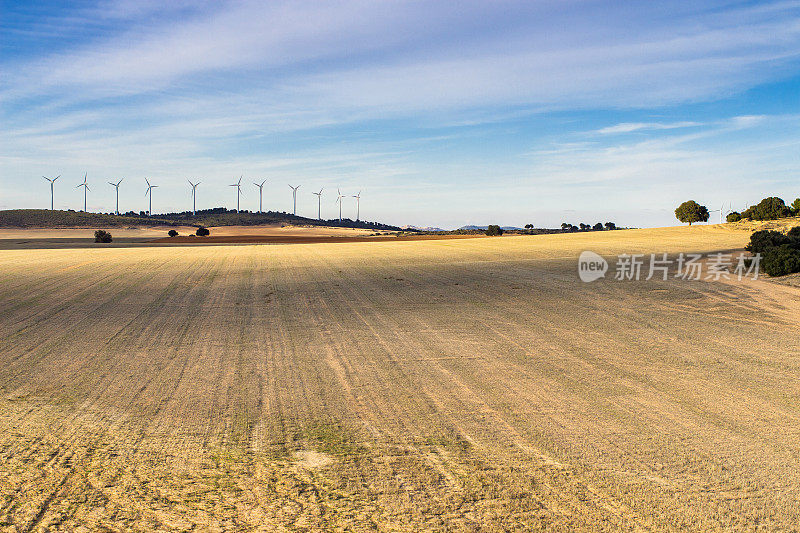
(690, 211)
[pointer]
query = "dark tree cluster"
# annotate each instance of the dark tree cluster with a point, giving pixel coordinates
(608, 226)
(770, 208)
(493, 230)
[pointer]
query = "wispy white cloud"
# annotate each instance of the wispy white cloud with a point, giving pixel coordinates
(628, 127)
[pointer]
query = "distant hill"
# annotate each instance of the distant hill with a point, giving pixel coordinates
(45, 218)
(220, 216)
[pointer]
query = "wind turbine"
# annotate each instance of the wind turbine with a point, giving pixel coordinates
(260, 194)
(117, 187)
(339, 201)
(85, 188)
(194, 196)
(52, 181)
(238, 186)
(358, 204)
(294, 198)
(150, 192)
(319, 204)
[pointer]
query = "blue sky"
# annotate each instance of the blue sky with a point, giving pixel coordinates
(441, 113)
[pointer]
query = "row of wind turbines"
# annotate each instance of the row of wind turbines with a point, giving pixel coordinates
(238, 185)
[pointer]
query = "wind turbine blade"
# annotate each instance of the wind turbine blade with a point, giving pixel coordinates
(54, 179)
(87, 188)
(148, 182)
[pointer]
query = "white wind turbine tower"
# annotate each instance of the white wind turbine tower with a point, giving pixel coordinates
(194, 196)
(52, 181)
(150, 192)
(238, 186)
(260, 194)
(294, 198)
(85, 188)
(358, 204)
(319, 204)
(339, 201)
(117, 187)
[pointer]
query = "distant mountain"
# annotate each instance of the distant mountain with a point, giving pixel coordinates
(417, 228)
(470, 227)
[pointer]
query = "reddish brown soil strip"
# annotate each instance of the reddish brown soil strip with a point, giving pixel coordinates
(294, 239)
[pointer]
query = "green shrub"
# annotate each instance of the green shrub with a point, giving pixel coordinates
(796, 206)
(763, 240)
(202, 231)
(794, 233)
(733, 216)
(494, 230)
(102, 236)
(172, 233)
(781, 260)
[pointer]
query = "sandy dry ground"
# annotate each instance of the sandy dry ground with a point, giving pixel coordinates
(470, 384)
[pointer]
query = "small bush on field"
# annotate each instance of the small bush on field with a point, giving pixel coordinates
(733, 216)
(102, 236)
(494, 230)
(202, 231)
(172, 233)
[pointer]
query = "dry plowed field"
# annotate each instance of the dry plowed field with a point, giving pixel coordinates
(470, 384)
